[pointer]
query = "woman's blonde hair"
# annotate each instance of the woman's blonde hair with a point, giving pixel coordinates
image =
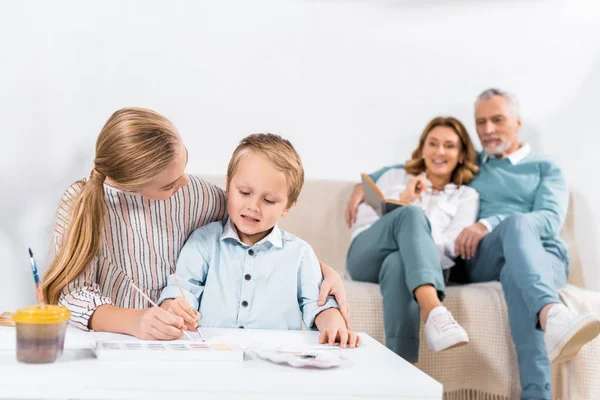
(467, 168)
(279, 152)
(134, 146)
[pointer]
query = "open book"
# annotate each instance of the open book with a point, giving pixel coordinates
(375, 198)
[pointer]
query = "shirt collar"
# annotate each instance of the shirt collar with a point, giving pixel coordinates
(275, 237)
(448, 188)
(515, 157)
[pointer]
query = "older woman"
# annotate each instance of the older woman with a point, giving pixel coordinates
(407, 250)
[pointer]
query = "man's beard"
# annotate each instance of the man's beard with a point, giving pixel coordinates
(498, 150)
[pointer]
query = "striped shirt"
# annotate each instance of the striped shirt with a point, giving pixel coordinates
(142, 239)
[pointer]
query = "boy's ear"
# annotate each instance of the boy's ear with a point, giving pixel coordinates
(288, 209)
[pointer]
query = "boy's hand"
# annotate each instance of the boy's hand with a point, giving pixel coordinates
(333, 329)
(181, 307)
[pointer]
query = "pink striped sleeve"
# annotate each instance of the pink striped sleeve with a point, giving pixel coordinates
(213, 204)
(82, 296)
(62, 214)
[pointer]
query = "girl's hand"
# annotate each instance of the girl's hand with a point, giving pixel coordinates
(333, 329)
(357, 197)
(333, 285)
(156, 323)
(181, 307)
(414, 188)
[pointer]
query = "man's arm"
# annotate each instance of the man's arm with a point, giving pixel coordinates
(377, 174)
(465, 215)
(551, 202)
(547, 215)
(549, 207)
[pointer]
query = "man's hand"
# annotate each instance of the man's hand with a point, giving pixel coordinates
(466, 243)
(357, 197)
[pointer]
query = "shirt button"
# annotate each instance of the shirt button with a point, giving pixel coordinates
(251, 252)
(247, 277)
(244, 303)
(241, 327)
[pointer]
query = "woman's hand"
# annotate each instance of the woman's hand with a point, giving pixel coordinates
(415, 186)
(333, 286)
(181, 307)
(357, 197)
(156, 323)
(333, 329)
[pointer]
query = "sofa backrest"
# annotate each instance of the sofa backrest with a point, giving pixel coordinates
(318, 218)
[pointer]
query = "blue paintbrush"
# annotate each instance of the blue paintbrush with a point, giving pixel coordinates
(38, 288)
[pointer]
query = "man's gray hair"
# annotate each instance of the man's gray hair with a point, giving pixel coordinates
(513, 104)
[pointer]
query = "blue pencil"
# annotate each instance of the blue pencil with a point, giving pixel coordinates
(38, 288)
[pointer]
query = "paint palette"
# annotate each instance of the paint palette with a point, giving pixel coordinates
(166, 351)
(302, 358)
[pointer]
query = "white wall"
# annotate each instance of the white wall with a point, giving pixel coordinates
(351, 83)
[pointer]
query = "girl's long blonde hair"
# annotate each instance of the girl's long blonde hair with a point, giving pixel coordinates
(134, 146)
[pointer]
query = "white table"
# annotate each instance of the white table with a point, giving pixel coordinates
(374, 372)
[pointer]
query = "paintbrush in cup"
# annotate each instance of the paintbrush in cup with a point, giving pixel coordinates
(38, 289)
(183, 295)
(144, 295)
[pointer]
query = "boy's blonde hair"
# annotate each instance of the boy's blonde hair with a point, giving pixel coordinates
(279, 152)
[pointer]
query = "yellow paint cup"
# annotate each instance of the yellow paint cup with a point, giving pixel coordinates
(40, 333)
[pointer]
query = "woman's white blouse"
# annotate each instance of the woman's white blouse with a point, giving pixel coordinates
(449, 211)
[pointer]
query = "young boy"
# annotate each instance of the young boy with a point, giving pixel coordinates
(245, 272)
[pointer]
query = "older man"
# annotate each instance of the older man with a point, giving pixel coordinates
(524, 200)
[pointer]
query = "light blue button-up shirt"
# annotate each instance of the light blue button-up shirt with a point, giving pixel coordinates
(271, 285)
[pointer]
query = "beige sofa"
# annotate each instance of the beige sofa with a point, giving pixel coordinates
(486, 369)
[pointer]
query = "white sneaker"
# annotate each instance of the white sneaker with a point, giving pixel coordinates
(566, 333)
(442, 332)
